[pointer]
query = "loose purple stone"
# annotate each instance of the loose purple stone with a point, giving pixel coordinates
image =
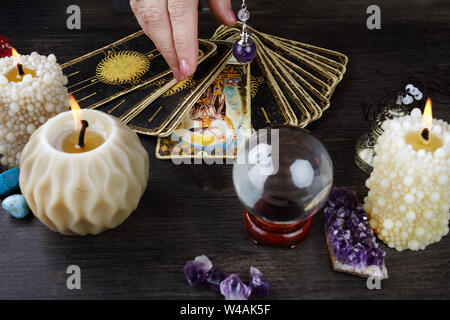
(196, 270)
(244, 54)
(260, 287)
(214, 277)
(234, 289)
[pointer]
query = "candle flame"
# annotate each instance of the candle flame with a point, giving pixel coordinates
(427, 114)
(76, 115)
(16, 55)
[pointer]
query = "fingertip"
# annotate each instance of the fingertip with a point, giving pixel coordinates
(230, 18)
(223, 12)
(187, 68)
(176, 73)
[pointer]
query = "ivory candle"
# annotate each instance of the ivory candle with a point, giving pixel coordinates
(409, 197)
(28, 100)
(89, 191)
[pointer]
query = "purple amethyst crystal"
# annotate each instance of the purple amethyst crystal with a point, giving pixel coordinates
(214, 277)
(244, 53)
(260, 287)
(234, 289)
(351, 240)
(196, 270)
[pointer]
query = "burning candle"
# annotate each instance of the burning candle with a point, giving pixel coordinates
(78, 141)
(16, 74)
(83, 189)
(409, 196)
(31, 91)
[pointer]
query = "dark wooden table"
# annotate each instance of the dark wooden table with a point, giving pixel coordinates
(189, 210)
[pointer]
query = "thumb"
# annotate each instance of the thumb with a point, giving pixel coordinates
(222, 11)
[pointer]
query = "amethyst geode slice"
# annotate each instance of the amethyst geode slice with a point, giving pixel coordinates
(351, 241)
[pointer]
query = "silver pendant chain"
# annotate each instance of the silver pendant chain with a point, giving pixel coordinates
(243, 15)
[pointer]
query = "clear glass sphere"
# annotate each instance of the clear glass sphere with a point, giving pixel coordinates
(243, 15)
(283, 174)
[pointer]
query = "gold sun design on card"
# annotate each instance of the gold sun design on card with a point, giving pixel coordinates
(122, 67)
(188, 83)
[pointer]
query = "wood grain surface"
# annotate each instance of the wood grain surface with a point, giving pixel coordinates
(189, 210)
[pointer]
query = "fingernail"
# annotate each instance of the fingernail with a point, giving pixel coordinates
(176, 73)
(185, 69)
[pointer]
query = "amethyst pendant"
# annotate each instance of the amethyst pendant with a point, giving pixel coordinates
(244, 52)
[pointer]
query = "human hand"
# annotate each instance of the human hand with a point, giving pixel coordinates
(172, 26)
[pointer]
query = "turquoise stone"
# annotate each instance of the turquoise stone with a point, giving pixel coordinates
(9, 181)
(16, 205)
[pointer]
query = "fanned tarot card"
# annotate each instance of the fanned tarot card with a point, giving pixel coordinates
(113, 71)
(305, 74)
(165, 112)
(219, 121)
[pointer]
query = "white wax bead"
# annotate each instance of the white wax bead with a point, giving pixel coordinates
(409, 198)
(10, 137)
(47, 79)
(381, 202)
(413, 245)
(416, 113)
(395, 125)
(410, 215)
(49, 107)
(420, 232)
(3, 80)
(435, 196)
(436, 129)
(421, 153)
(443, 179)
(408, 181)
(440, 153)
(27, 78)
(14, 107)
(31, 128)
(388, 224)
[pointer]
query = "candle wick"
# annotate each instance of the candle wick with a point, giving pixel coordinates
(20, 68)
(84, 125)
(425, 135)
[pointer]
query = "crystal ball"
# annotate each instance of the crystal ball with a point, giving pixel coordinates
(283, 175)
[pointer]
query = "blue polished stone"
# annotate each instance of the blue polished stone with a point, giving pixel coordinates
(9, 181)
(16, 205)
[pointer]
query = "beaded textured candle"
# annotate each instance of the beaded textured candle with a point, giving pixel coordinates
(27, 100)
(409, 197)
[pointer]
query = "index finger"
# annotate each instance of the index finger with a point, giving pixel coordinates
(183, 17)
(153, 17)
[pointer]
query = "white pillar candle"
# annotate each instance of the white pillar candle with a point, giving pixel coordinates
(87, 192)
(409, 195)
(27, 101)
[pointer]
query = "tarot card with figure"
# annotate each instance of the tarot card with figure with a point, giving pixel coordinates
(269, 106)
(218, 122)
(117, 69)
